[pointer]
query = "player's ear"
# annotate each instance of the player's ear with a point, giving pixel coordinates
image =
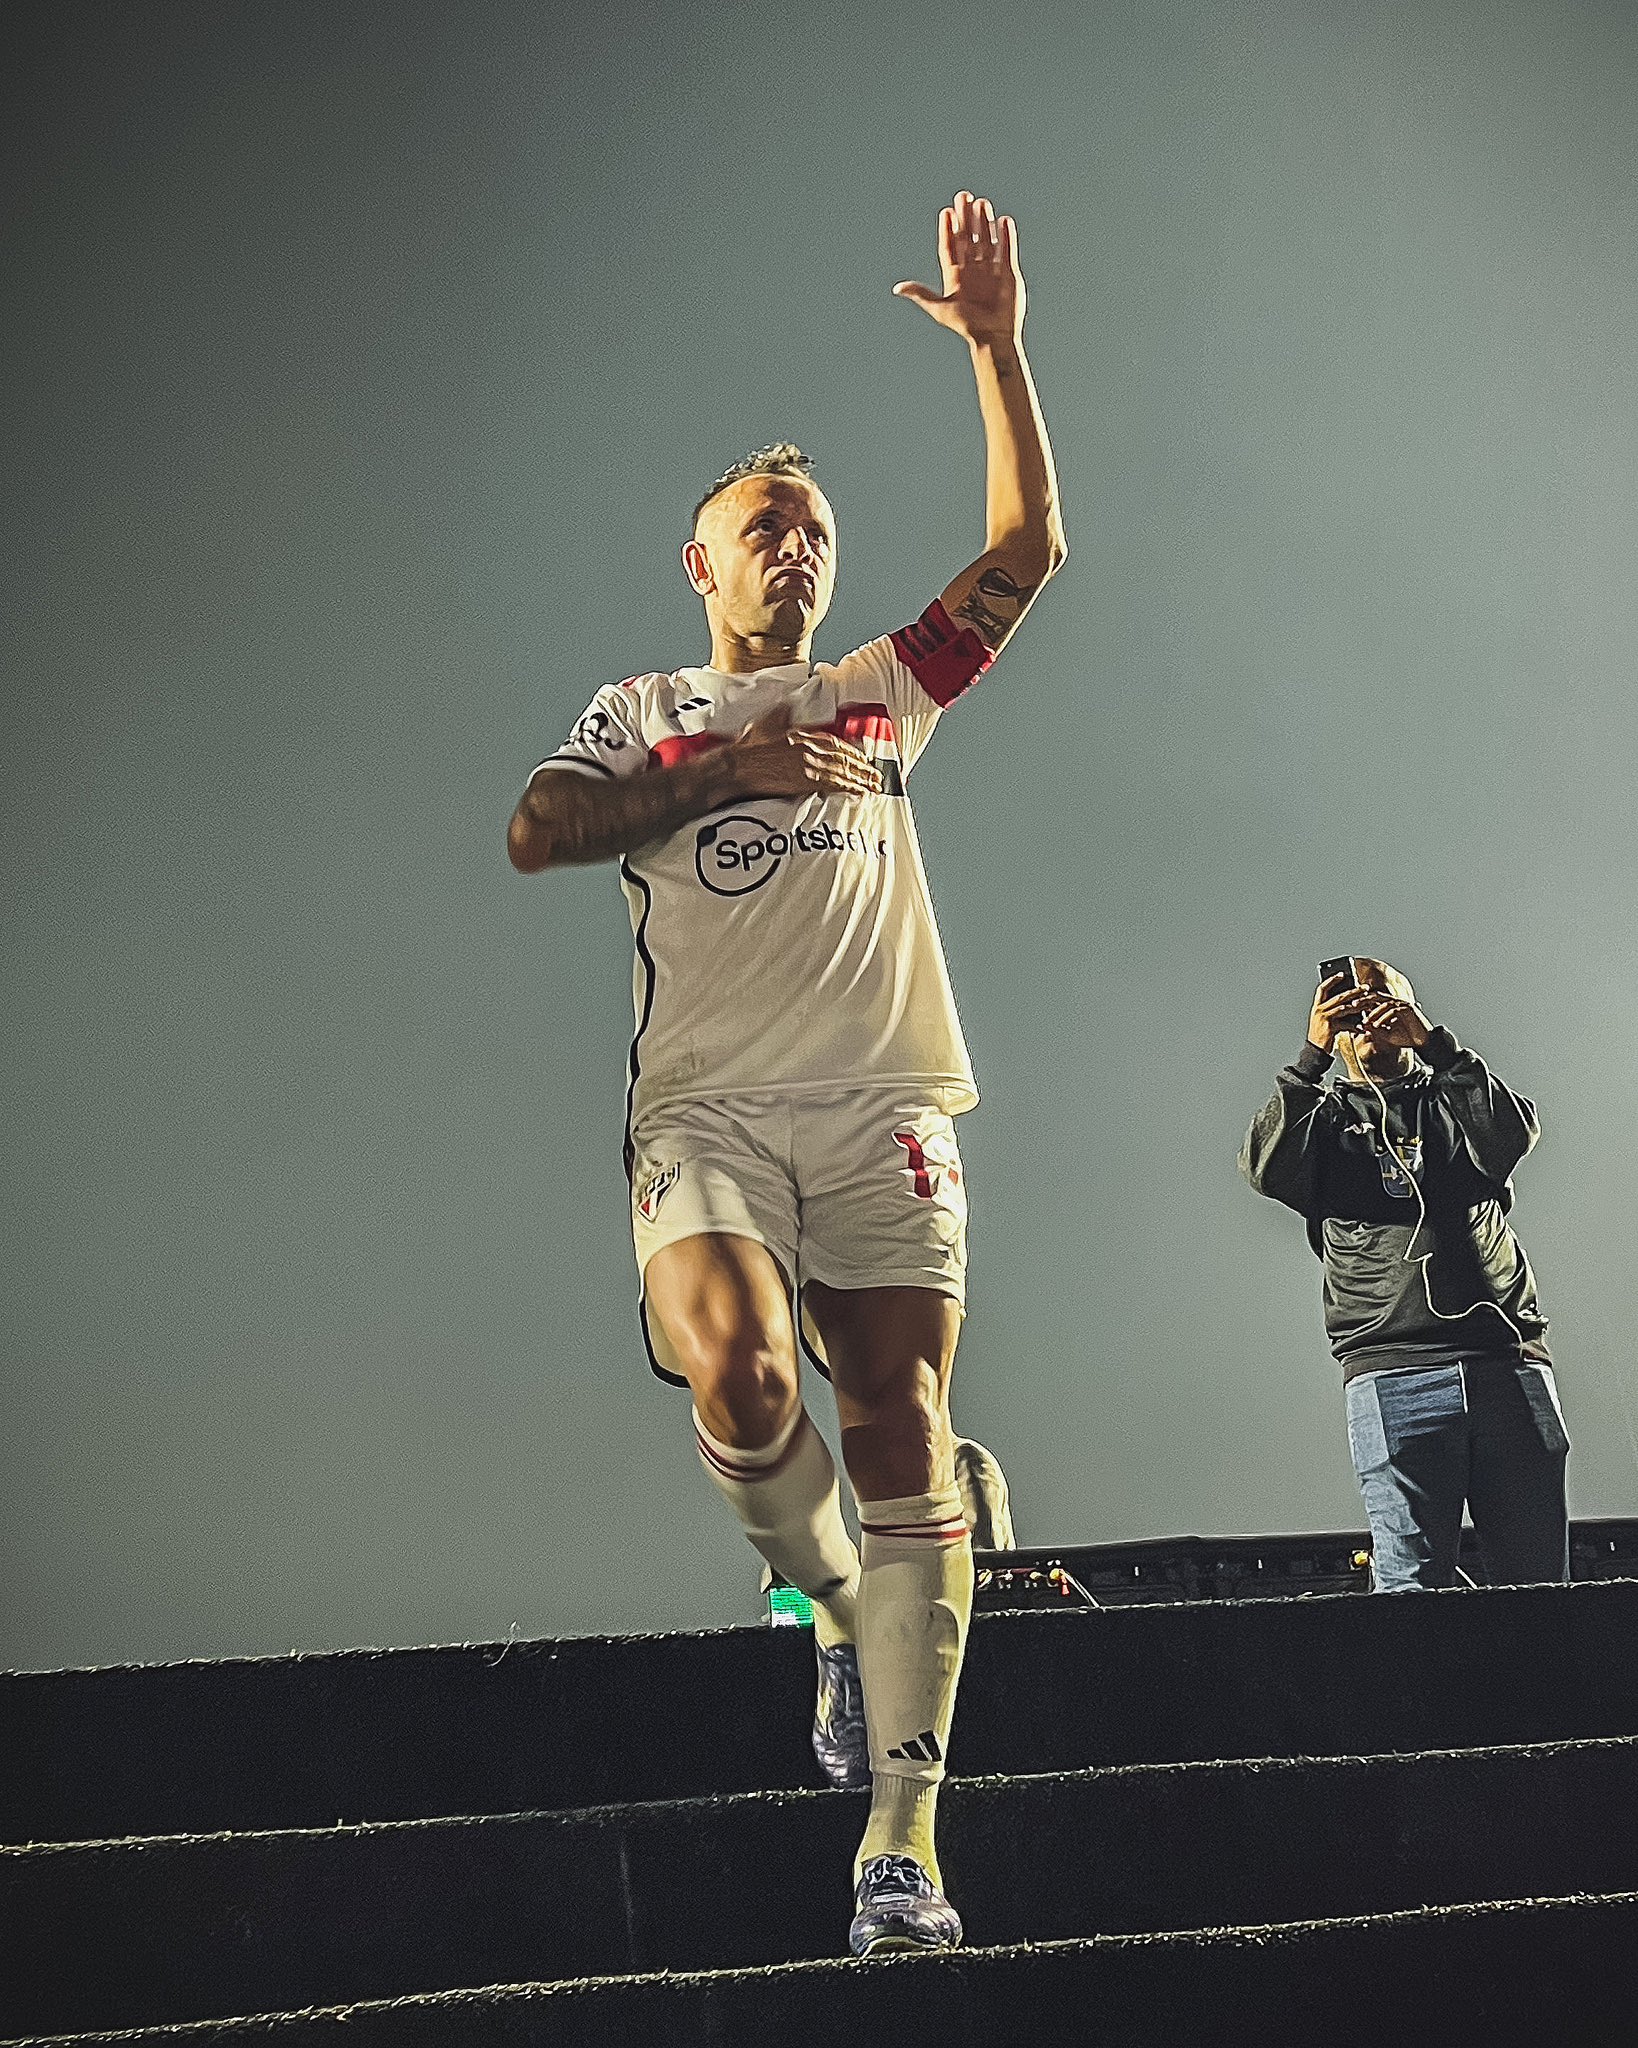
(697, 567)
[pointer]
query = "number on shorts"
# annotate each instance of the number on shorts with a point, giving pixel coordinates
(917, 1160)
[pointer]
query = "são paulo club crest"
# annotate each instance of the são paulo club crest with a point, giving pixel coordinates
(652, 1190)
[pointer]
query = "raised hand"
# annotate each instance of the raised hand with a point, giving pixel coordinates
(1336, 1008)
(771, 757)
(983, 296)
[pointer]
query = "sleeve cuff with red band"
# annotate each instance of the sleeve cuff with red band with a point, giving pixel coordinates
(944, 658)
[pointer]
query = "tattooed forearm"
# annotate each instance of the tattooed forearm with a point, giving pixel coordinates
(566, 820)
(996, 603)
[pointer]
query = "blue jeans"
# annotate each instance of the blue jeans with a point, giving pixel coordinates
(1487, 1433)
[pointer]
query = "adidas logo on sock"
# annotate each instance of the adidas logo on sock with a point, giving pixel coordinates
(920, 1749)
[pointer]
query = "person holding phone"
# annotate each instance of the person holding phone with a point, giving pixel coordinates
(1401, 1166)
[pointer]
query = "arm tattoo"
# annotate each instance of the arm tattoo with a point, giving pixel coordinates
(995, 587)
(569, 820)
(977, 612)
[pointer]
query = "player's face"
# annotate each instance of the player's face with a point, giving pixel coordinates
(769, 544)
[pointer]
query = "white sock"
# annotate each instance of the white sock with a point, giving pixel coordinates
(788, 1503)
(915, 1600)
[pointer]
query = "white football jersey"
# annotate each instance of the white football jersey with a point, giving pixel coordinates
(787, 943)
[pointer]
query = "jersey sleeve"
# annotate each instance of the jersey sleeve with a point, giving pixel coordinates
(915, 674)
(607, 738)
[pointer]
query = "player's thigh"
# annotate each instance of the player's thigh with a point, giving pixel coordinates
(890, 1352)
(706, 1176)
(722, 1307)
(883, 1267)
(718, 1295)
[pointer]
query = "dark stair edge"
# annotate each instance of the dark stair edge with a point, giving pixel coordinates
(364, 1655)
(373, 1653)
(495, 1651)
(625, 1812)
(354, 1736)
(812, 1974)
(186, 1934)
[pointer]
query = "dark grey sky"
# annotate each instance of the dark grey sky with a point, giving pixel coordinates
(364, 361)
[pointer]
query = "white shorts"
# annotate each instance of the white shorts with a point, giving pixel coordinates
(850, 1186)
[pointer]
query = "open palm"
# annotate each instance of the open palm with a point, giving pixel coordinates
(983, 296)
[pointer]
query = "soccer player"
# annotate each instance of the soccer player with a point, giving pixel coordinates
(798, 1059)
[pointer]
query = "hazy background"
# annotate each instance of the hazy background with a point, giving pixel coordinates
(364, 363)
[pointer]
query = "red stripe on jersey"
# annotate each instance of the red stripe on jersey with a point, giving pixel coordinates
(866, 725)
(943, 658)
(870, 728)
(682, 746)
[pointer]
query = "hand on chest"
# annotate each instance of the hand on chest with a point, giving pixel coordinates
(696, 715)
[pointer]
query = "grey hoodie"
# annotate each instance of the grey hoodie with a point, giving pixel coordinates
(1460, 1132)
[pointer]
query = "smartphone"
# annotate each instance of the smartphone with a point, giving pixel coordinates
(1343, 966)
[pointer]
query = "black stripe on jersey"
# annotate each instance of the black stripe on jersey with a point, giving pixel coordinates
(650, 976)
(562, 760)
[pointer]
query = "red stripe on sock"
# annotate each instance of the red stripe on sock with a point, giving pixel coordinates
(746, 1474)
(917, 1532)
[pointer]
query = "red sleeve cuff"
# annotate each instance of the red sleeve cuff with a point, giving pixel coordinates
(944, 658)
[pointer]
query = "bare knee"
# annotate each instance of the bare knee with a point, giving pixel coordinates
(725, 1308)
(744, 1385)
(896, 1438)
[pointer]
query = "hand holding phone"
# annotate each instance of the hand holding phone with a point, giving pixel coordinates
(1336, 1002)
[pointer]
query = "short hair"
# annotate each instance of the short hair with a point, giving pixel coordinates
(779, 458)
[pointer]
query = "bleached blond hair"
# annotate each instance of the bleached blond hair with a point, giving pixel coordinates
(779, 458)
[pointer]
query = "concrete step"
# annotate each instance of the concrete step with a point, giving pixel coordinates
(405, 1734)
(1553, 1971)
(141, 1932)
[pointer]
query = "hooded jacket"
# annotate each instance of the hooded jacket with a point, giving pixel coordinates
(1404, 1288)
